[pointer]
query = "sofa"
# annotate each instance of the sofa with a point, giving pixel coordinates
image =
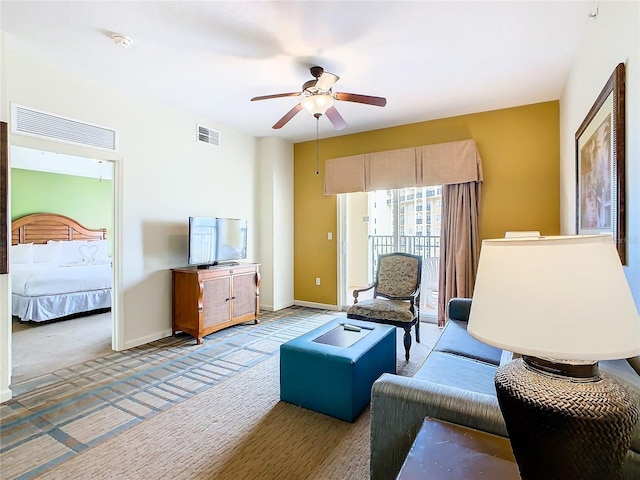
(456, 384)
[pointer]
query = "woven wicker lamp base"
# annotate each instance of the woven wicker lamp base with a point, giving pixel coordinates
(563, 427)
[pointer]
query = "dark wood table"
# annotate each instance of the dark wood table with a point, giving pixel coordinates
(446, 451)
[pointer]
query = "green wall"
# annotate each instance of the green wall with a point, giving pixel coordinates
(86, 200)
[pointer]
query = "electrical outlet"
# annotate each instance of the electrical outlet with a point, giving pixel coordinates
(317, 280)
(329, 236)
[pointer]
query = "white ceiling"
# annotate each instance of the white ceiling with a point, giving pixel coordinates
(30, 159)
(429, 59)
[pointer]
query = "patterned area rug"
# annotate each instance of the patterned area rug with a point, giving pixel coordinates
(83, 424)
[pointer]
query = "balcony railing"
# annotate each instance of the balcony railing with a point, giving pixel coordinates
(426, 246)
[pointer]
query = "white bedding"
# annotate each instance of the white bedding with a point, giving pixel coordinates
(48, 290)
(50, 278)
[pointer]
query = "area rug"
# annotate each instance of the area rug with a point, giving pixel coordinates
(179, 411)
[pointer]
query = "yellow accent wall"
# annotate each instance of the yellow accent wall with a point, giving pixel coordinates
(520, 150)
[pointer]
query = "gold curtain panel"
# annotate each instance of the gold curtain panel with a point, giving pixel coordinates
(438, 164)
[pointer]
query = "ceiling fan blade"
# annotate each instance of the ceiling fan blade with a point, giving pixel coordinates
(354, 97)
(336, 119)
(326, 81)
(277, 95)
(288, 116)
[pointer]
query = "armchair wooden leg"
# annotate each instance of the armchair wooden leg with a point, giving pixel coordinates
(407, 342)
(418, 331)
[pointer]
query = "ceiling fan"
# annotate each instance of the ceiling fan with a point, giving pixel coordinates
(318, 97)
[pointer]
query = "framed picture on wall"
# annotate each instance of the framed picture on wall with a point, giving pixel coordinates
(600, 165)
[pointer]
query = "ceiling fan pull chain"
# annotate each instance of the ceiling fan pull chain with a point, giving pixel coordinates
(317, 144)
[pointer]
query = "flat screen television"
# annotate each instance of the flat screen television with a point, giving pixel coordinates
(214, 241)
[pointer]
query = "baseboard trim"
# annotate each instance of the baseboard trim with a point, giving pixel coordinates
(323, 306)
(149, 338)
(6, 395)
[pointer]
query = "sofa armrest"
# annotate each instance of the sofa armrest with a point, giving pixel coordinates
(635, 363)
(459, 308)
(399, 405)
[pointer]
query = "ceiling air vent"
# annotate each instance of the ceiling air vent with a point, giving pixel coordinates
(208, 135)
(36, 123)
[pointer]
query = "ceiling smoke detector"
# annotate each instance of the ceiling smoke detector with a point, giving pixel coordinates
(121, 40)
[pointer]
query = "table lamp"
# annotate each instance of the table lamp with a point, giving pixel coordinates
(563, 303)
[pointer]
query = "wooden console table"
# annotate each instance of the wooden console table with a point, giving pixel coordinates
(208, 300)
(446, 451)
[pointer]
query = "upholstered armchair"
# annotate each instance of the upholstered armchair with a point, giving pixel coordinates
(396, 295)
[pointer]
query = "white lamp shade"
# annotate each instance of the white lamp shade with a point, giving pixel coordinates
(317, 104)
(562, 298)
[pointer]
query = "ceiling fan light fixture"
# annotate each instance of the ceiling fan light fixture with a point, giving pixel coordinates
(318, 98)
(317, 104)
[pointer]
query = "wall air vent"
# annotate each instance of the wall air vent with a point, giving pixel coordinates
(208, 135)
(36, 123)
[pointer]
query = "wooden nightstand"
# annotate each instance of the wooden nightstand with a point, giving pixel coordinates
(446, 451)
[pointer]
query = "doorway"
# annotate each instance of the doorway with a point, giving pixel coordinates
(372, 223)
(36, 179)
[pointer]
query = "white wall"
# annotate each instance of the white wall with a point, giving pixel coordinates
(275, 216)
(162, 176)
(608, 40)
(5, 325)
(5, 339)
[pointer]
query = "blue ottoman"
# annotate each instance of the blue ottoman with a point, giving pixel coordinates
(331, 370)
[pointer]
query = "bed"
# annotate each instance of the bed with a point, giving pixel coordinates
(58, 268)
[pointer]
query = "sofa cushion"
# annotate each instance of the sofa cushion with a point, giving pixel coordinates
(459, 308)
(459, 372)
(381, 309)
(456, 340)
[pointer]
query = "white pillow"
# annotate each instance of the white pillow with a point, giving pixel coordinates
(49, 252)
(85, 250)
(22, 253)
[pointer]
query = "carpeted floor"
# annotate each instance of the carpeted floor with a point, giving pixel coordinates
(171, 409)
(41, 348)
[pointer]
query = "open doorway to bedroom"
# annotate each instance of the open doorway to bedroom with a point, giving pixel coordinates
(81, 189)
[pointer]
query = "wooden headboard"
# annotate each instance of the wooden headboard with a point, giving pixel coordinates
(41, 227)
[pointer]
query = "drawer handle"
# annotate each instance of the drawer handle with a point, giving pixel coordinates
(227, 299)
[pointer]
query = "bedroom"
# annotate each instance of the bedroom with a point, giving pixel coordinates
(50, 332)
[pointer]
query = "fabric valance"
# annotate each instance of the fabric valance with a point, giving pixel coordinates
(438, 164)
